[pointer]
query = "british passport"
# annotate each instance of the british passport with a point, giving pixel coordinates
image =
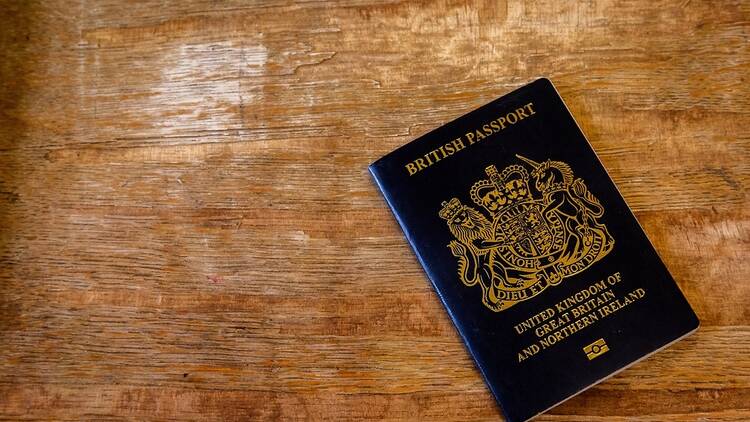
(543, 268)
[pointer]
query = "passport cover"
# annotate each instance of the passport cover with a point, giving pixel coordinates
(544, 270)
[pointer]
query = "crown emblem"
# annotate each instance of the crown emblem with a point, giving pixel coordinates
(515, 172)
(450, 209)
(531, 237)
(480, 189)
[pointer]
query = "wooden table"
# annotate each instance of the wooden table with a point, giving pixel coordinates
(189, 231)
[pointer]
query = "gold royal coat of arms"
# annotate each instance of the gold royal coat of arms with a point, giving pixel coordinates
(521, 243)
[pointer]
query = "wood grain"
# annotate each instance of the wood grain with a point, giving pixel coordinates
(188, 229)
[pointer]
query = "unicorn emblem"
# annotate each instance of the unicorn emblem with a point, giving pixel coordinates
(569, 198)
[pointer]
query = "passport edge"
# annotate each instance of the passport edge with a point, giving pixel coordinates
(666, 345)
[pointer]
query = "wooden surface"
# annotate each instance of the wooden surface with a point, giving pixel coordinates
(188, 229)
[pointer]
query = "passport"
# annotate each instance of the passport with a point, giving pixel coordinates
(544, 270)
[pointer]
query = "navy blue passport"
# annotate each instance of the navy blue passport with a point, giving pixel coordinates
(544, 270)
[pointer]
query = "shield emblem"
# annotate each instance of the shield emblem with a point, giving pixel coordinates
(528, 233)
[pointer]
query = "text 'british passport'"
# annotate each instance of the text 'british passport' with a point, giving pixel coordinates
(544, 270)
